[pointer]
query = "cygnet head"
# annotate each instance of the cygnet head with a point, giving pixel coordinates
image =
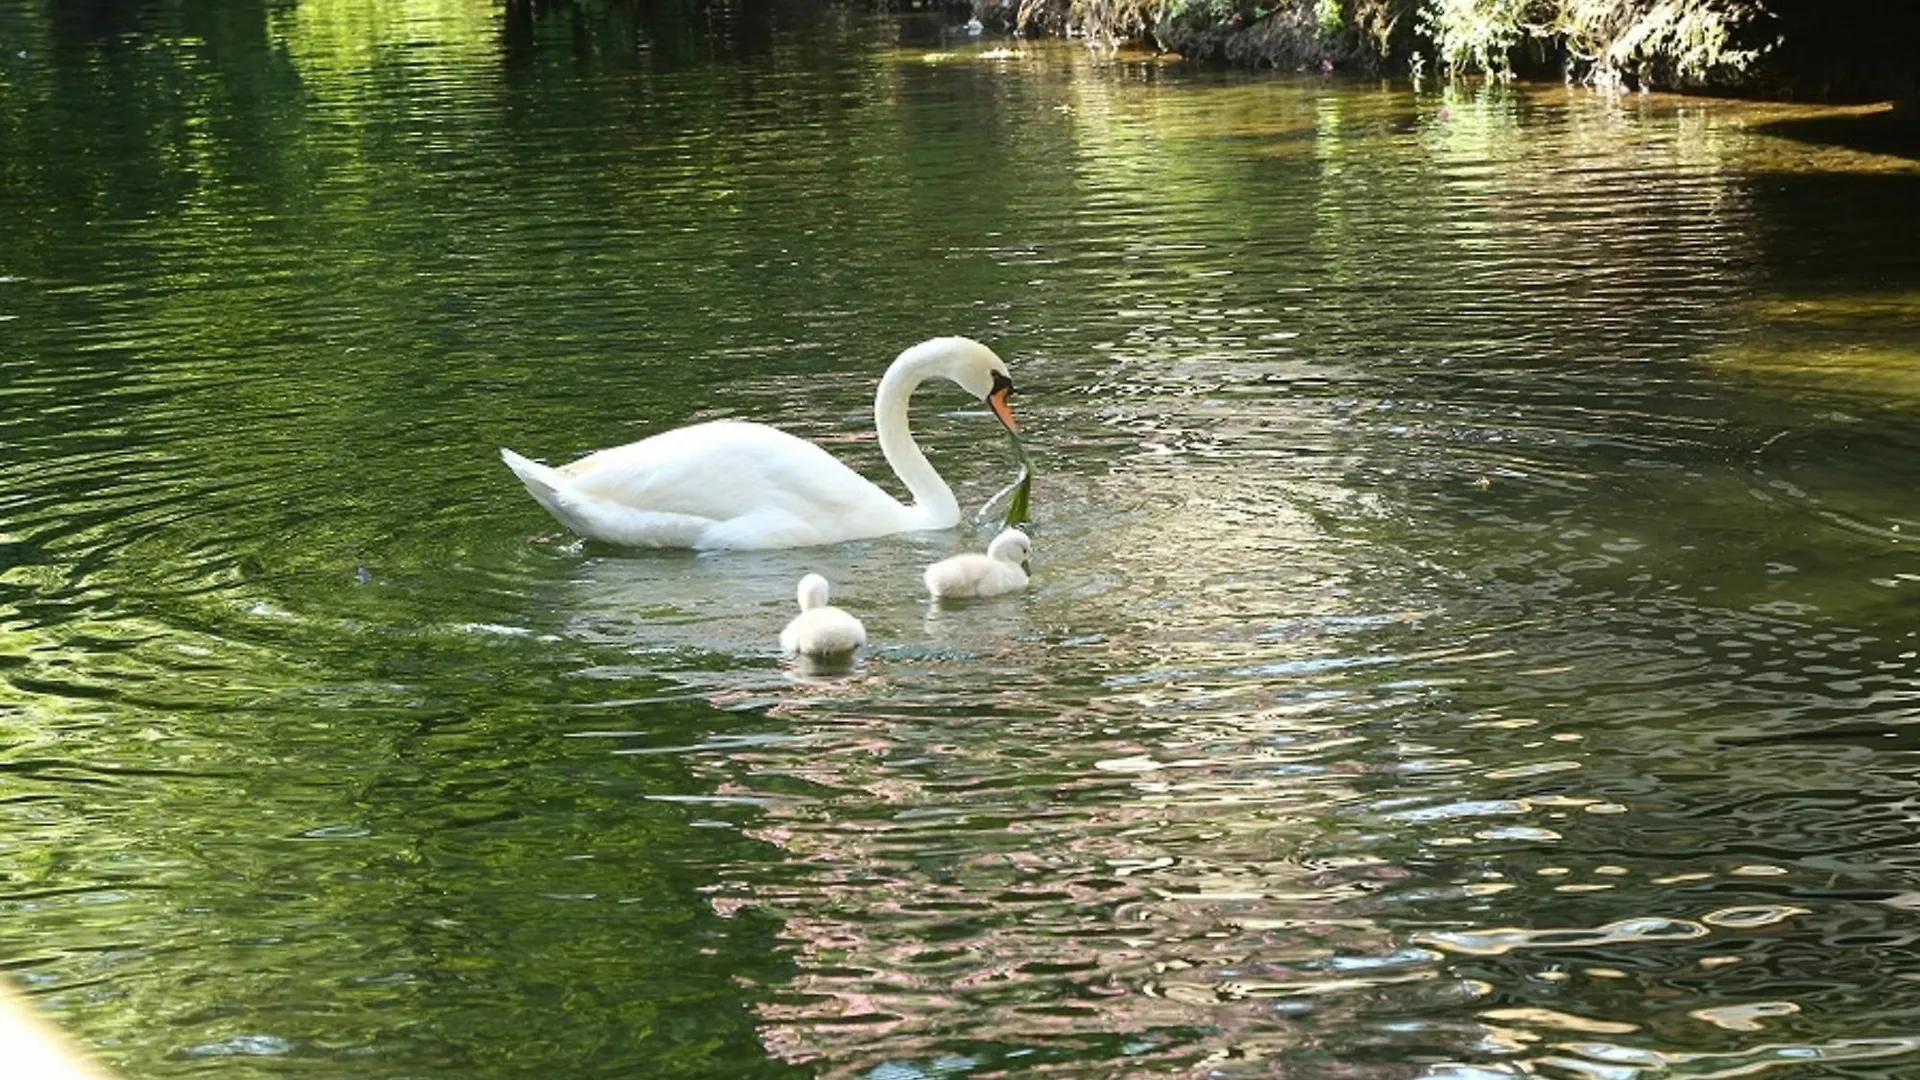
(974, 366)
(1011, 546)
(813, 592)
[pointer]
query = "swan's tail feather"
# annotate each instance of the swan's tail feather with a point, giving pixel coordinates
(547, 485)
(600, 519)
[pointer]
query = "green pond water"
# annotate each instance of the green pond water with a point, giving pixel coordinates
(1473, 625)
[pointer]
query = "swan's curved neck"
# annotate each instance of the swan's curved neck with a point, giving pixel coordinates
(934, 506)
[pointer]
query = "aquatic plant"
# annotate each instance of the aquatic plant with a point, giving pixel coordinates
(1671, 42)
(1684, 43)
(1474, 35)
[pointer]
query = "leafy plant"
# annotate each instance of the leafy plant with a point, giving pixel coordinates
(1326, 13)
(1474, 35)
(1681, 41)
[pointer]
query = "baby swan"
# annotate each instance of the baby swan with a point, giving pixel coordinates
(1003, 569)
(820, 629)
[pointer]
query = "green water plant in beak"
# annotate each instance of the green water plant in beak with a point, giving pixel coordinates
(1017, 506)
(999, 399)
(1017, 494)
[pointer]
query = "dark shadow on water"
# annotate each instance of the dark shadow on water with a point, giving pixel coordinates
(664, 34)
(1892, 737)
(1825, 231)
(1892, 131)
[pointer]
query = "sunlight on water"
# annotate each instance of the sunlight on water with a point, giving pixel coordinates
(1470, 632)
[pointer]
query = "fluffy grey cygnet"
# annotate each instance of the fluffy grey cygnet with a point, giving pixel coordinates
(1003, 569)
(821, 629)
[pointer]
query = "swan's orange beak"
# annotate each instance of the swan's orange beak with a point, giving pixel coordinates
(998, 401)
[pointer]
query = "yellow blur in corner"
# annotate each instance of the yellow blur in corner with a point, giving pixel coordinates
(33, 1049)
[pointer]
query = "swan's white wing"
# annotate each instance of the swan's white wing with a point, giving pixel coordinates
(747, 485)
(601, 518)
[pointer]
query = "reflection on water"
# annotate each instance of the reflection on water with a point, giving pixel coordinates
(1470, 632)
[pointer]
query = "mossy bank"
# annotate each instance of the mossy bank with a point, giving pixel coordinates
(1843, 50)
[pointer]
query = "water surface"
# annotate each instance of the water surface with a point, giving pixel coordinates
(1472, 625)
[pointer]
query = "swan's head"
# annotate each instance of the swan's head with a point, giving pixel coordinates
(978, 371)
(813, 592)
(1011, 546)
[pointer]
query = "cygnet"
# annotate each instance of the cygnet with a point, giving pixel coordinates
(1003, 569)
(821, 629)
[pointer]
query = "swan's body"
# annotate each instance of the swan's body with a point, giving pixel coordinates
(1003, 569)
(734, 484)
(821, 629)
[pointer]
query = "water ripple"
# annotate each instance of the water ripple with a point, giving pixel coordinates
(1471, 621)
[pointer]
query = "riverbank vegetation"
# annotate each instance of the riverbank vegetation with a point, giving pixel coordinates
(1843, 49)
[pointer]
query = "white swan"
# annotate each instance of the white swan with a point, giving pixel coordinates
(821, 629)
(1003, 569)
(733, 484)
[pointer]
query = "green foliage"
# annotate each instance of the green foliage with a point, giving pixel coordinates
(1689, 43)
(1326, 14)
(1683, 42)
(1216, 9)
(1474, 35)
(1609, 42)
